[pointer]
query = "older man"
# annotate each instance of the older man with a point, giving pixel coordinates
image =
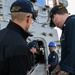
(61, 18)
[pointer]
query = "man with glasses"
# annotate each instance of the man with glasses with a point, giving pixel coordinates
(66, 22)
(14, 52)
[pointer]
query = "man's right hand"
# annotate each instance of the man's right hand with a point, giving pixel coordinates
(62, 73)
(56, 70)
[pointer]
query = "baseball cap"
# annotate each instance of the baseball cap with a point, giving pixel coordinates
(22, 6)
(32, 44)
(53, 11)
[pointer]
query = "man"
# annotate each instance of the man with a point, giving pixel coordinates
(61, 18)
(52, 58)
(32, 46)
(14, 52)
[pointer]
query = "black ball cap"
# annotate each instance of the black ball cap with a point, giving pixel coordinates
(22, 6)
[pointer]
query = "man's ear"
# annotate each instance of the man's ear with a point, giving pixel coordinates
(28, 18)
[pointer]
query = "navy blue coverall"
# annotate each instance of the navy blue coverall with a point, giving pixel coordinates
(67, 62)
(53, 60)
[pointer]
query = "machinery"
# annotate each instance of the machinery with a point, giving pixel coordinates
(40, 28)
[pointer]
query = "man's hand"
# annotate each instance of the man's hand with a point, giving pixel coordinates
(47, 66)
(62, 73)
(56, 70)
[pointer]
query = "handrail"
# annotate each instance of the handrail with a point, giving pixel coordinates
(29, 72)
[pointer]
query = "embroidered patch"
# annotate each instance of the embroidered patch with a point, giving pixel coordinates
(53, 56)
